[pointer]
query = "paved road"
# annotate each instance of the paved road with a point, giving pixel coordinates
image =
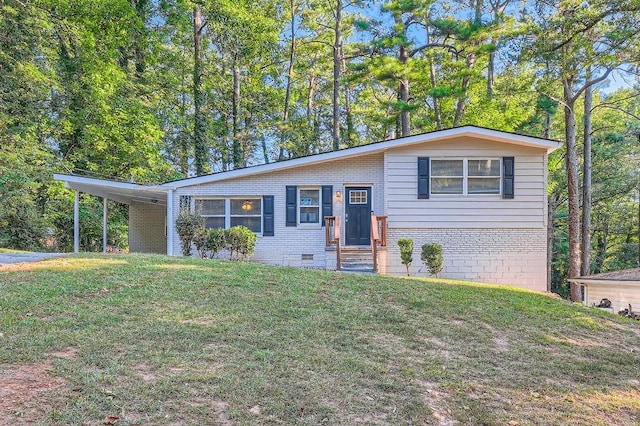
(6, 258)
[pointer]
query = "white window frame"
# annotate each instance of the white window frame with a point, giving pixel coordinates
(227, 209)
(194, 209)
(300, 205)
(249, 198)
(465, 177)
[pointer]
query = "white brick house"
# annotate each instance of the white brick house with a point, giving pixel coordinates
(480, 193)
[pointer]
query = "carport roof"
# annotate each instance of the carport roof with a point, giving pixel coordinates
(122, 192)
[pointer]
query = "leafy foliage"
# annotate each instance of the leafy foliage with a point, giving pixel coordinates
(406, 252)
(189, 226)
(106, 89)
(433, 258)
(241, 242)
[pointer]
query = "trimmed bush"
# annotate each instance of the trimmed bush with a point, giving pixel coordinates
(241, 242)
(186, 226)
(216, 240)
(200, 240)
(406, 252)
(432, 257)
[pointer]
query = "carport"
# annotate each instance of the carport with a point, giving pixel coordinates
(153, 201)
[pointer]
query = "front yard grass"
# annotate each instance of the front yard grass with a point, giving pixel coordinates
(158, 340)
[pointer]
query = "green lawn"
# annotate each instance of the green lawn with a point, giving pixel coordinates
(157, 340)
(7, 250)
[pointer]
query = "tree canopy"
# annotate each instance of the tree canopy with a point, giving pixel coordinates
(150, 90)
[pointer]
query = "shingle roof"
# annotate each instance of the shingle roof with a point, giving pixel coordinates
(632, 274)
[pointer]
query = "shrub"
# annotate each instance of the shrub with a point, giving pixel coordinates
(432, 257)
(241, 241)
(406, 252)
(186, 226)
(216, 240)
(201, 241)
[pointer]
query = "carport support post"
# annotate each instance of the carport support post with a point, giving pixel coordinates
(169, 228)
(104, 224)
(76, 222)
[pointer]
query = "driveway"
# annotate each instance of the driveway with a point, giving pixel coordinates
(6, 258)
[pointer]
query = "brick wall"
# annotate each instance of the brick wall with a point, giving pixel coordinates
(147, 228)
(288, 244)
(502, 256)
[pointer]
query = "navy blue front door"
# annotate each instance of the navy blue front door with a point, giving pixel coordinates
(358, 216)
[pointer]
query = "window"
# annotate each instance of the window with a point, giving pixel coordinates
(358, 196)
(447, 176)
(213, 212)
(224, 213)
(309, 205)
(247, 212)
(465, 176)
(483, 176)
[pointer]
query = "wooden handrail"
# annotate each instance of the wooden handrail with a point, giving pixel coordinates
(378, 237)
(336, 237)
(382, 222)
(332, 235)
(329, 224)
(375, 232)
(374, 241)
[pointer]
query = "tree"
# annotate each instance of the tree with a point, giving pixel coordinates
(566, 38)
(199, 121)
(406, 252)
(433, 258)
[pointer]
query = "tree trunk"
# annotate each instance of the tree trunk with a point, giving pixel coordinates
(551, 209)
(351, 131)
(461, 105)
(434, 83)
(585, 255)
(490, 73)
(337, 55)
(436, 101)
(265, 150)
(405, 126)
(572, 187)
(312, 116)
(547, 125)
(183, 135)
(200, 125)
(139, 43)
(287, 96)
(235, 104)
(601, 246)
(311, 93)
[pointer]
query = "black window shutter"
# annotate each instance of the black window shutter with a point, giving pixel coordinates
(507, 177)
(292, 205)
(327, 202)
(267, 215)
(423, 177)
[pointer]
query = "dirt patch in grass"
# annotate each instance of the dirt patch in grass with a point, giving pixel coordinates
(435, 399)
(499, 338)
(29, 391)
(204, 320)
(66, 353)
(217, 407)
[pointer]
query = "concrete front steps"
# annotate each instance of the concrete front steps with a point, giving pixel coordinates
(356, 259)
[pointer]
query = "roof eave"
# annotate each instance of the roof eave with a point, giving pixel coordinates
(122, 192)
(606, 281)
(496, 135)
